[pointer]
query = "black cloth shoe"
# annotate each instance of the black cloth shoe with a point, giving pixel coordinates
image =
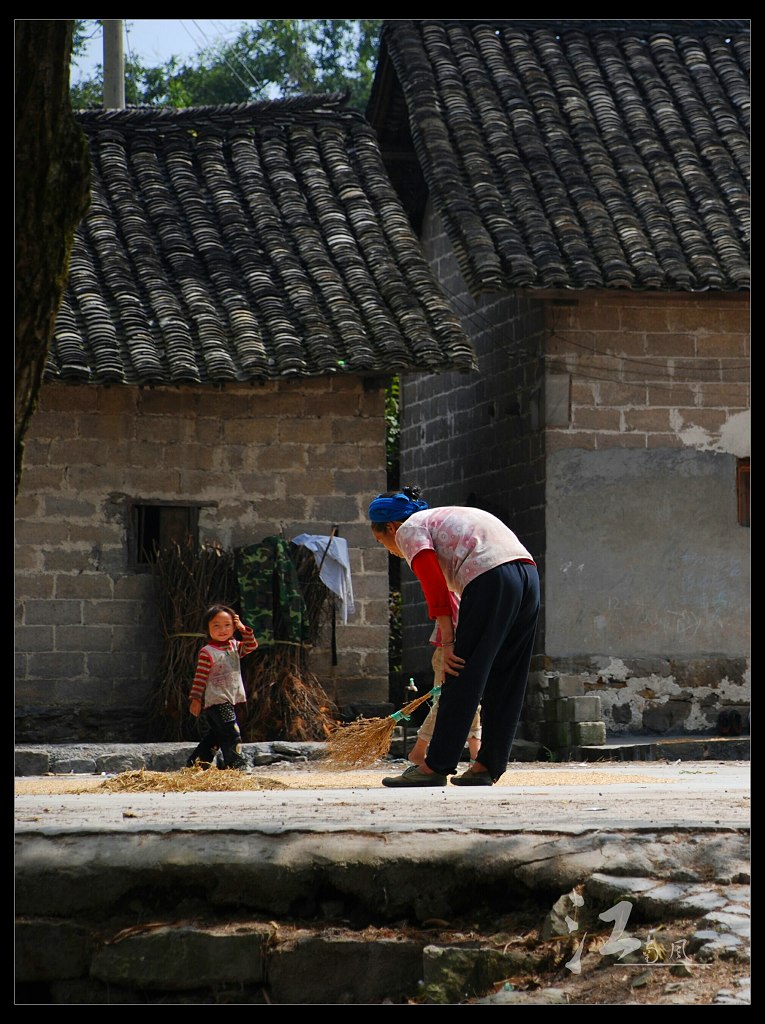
(412, 776)
(471, 778)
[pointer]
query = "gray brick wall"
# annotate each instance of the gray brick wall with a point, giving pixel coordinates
(280, 458)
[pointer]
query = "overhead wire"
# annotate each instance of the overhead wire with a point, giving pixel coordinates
(129, 74)
(200, 42)
(211, 45)
(636, 359)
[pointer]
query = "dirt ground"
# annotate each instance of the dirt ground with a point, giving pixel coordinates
(602, 980)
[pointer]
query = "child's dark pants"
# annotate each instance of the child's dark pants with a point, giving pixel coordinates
(223, 733)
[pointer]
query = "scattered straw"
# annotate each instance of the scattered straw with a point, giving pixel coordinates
(188, 780)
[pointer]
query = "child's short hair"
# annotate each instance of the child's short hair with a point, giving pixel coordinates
(216, 609)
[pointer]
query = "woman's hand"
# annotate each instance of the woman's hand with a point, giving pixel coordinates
(452, 663)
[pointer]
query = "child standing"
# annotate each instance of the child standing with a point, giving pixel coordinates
(218, 687)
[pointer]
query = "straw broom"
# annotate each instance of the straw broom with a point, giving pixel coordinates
(364, 741)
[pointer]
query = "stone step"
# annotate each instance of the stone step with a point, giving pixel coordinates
(207, 953)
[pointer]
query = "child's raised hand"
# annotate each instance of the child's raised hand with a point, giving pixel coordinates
(238, 624)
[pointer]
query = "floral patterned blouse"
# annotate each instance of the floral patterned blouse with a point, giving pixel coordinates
(467, 542)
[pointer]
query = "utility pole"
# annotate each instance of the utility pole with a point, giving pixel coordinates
(114, 65)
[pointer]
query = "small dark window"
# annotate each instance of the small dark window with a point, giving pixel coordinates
(154, 526)
(742, 491)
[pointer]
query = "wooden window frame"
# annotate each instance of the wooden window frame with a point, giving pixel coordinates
(153, 522)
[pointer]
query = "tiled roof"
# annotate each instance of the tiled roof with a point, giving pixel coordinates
(578, 154)
(245, 243)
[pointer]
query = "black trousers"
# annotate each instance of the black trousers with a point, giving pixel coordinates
(222, 733)
(495, 635)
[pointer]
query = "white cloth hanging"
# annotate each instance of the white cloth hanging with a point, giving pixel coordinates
(331, 553)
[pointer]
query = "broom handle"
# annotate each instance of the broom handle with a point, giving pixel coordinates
(326, 549)
(332, 598)
(407, 709)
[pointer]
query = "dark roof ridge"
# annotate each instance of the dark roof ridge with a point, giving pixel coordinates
(648, 26)
(232, 113)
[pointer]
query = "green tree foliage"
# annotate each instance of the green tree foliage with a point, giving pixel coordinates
(392, 430)
(275, 58)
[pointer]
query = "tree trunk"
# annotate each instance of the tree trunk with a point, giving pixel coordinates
(52, 196)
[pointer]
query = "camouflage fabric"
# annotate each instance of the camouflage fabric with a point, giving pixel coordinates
(271, 597)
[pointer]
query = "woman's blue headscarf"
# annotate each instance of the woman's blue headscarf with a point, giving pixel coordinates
(395, 509)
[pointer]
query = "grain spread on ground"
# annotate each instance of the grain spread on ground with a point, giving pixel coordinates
(302, 777)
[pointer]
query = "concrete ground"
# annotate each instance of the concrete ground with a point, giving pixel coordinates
(574, 796)
(671, 837)
(571, 798)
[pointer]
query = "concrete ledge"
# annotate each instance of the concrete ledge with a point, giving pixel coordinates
(386, 876)
(354, 920)
(113, 758)
(690, 748)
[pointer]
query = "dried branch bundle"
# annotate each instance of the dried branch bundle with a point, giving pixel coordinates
(286, 701)
(187, 581)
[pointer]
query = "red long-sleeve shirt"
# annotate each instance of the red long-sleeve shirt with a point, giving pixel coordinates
(427, 570)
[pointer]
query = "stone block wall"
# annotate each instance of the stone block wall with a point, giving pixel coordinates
(648, 567)
(638, 697)
(650, 371)
(476, 438)
(608, 429)
(281, 458)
